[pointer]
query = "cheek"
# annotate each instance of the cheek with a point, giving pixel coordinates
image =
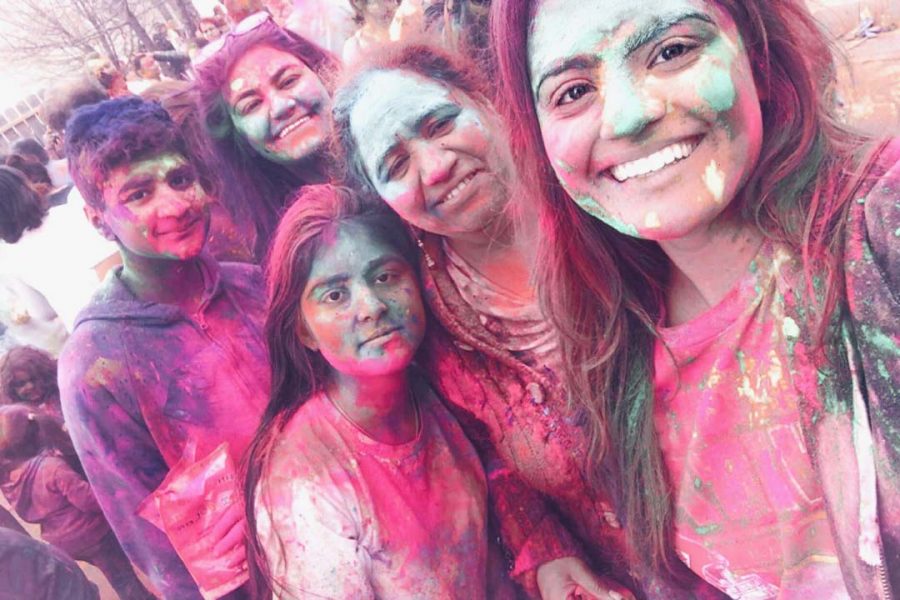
(253, 128)
(568, 147)
(401, 197)
(330, 331)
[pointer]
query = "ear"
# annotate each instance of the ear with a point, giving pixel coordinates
(305, 337)
(95, 216)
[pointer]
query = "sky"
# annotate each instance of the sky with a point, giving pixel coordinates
(18, 80)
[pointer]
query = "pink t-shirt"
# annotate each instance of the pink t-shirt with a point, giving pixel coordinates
(362, 519)
(750, 516)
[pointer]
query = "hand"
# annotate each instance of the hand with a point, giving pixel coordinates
(228, 532)
(570, 579)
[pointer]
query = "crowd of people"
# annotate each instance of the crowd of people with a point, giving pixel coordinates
(550, 299)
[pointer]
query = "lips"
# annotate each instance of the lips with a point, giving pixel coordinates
(380, 333)
(181, 230)
(457, 189)
(656, 161)
(293, 126)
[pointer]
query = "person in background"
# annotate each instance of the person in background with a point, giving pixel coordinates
(108, 75)
(146, 72)
(38, 571)
(720, 253)
(43, 489)
(167, 363)
(28, 377)
(210, 29)
(261, 95)
(27, 319)
(373, 18)
(32, 236)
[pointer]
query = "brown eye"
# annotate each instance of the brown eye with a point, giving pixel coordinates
(574, 93)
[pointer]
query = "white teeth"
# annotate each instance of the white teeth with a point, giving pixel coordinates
(652, 163)
(293, 126)
(452, 194)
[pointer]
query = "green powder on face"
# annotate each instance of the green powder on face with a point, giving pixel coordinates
(717, 87)
(590, 206)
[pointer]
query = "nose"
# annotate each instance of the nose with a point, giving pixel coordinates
(369, 306)
(629, 105)
(436, 163)
(283, 105)
(174, 204)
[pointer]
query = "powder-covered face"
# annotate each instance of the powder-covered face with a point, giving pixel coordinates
(155, 208)
(648, 109)
(278, 104)
(437, 157)
(361, 306)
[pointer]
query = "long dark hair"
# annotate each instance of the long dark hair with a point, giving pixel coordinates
(21, 207)
(253, 188)
(605, 290)
(298, 372)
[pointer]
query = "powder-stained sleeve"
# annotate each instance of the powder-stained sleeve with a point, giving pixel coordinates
(528, 527)
(312, 543)
(75, 489)
(122, 463)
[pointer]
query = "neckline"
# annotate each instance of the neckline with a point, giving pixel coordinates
(717, 318)
(367, 436)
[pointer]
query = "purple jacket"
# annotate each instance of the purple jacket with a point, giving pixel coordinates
(143, 383)
(47, 491)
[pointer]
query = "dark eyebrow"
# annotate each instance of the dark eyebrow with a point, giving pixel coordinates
(649, 32)
(658, 26)
(379, 262)
(328, 282)
(416, 126)
(139, 181)
(581, 61)
(279, 73)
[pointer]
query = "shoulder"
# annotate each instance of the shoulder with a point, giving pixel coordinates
(874, 228)
(308, 448)
(245, 279)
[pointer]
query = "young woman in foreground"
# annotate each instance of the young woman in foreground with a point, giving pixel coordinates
(416, 127)
(721, 257)
(360, 483)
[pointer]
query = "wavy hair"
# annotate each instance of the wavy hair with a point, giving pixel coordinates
(298, 372)
(254, 188)
(605, 291)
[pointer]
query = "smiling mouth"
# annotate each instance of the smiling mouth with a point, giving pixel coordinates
(380, 334)
(293, 126)
(458, 188)
(655, 162)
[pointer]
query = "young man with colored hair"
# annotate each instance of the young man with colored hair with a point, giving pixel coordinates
(167, 362)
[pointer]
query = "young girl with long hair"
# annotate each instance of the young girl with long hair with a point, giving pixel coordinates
(415, 125)
(359, 483)
(261, 94)
(720, 256)
(44, 489)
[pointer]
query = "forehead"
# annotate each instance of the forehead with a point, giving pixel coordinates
(348, 249)
(260, 63)
(158, 165)
(388, 104)
(554, 36)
